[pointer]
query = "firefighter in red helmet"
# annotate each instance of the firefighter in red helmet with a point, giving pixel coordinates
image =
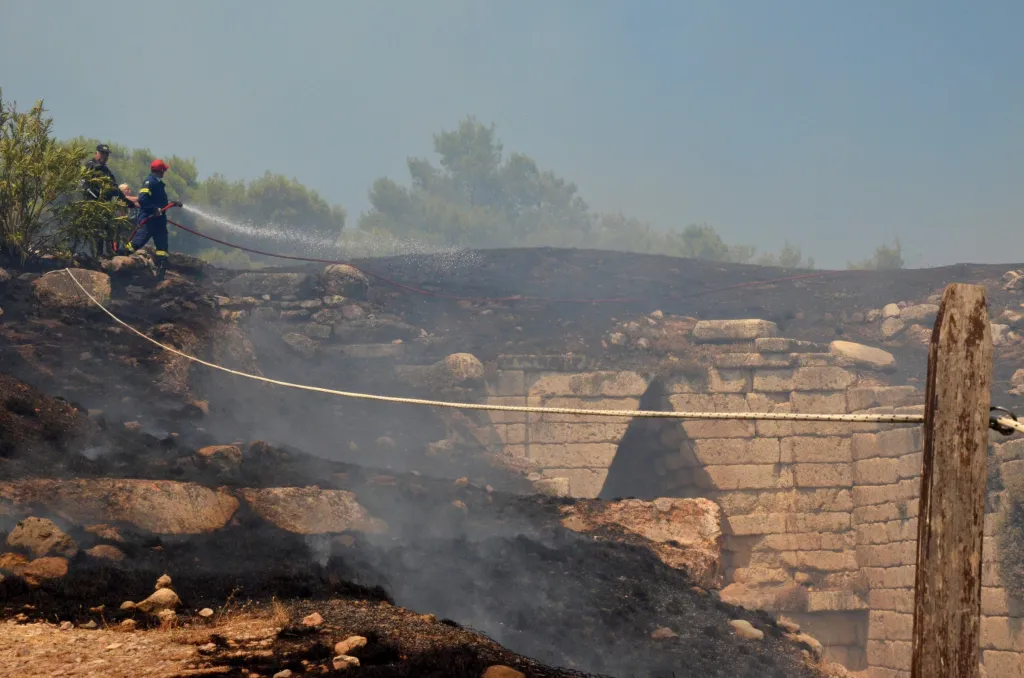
(152, 220)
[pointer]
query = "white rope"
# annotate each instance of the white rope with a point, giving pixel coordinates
(744, 416)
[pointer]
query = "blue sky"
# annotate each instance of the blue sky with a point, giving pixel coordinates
(835, 125)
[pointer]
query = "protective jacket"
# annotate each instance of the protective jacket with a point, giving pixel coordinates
(152, 199)
(93, 192)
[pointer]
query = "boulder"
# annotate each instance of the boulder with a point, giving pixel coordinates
(350, 645)
(343, 280)
(891, 327)
(257, 284)
(501, 671)
(118, 264)
(746, 630)
(222, 459)
(158, 506)
(301, 345)
(863, 356)
(1017, 382)
(890, 311)
(41, 569)
(41, 537)
(457, 369)
(158, 601)
(685, 533)
(711, 331)
(57, 290)
(311, 510)
(921, 313)
(106, 552)
(1000, 334)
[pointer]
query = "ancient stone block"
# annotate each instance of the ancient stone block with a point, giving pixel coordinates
(507, 383)
(897, 442)
(547, 432)
(881, 396)
(822, 475)
(833, 521)
(1002, 633)
(899, 577)
(583, 404)
(835, 601)
(774, 380)
(1011, 450)
(897, 600)
(728, 381)
(707, 331)
(759, 576)
(876, 471)
(724, 451)
(783, 345)
(910, 465)
(867, 495)
(591, 384)
(889, 625)
(311, 510)
(755, 524)
(821, 379)
(824, 561)
(751, 360)
(573, 455)
(893, 654)
(502, 417)
(816, 450)
(761, 476)
(888, 555)
(722, 428)
(806, 541)
(819, 403)
(583, 482)
(859, 355)
(515, 434)
(1003, 664)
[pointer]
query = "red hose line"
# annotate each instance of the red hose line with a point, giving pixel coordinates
(417, 290)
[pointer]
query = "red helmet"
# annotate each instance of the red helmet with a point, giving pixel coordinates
(158, 166)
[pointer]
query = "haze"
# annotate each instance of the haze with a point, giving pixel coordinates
(834, 125)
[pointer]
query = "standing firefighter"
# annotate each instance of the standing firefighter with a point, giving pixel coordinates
(153, 203)
(100, 184)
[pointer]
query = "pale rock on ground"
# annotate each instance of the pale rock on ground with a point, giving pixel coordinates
(745, 630)
(890, 311)
(864, 356)
(892, 327)
(57, 290)
(708, 331)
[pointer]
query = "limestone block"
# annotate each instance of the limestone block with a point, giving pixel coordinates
(888, 555)
(758, 576)
(835, 601)
(722, 331)
(990, 575)
(804, 500)
(573, 455)
(499, 417)
(783, 345)
(755, 524)
(910, 465)
(881, 513)
(728, 381)
(825, 561)
(835, 521)
(881, 396)
(719, 429)
(807, 541)
(547, 432)
(1002, 633)
(752, 360)
(868, 495)
(887, 532)
(897, 600)
(876, 471)
(814, 359)
(891, 443)
(900, 577)
(582, 404)
(589, 384)
(1011, 450)
(507, 383)
(859, 355)
(893, 654)
(725, 451)
(583, 482)
(822, 475)
(824, 378)
(1012, 471)
(515, 434)
(816, 450)
(774, 380)
(888, 625)
(819, 403)
(754, 476)
(1003, 664)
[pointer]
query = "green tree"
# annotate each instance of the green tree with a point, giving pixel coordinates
(886, 258)
(41, 208)
(790, 256)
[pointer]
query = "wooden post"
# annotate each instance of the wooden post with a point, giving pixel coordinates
(947, 591)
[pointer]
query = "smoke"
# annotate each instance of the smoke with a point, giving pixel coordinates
(351, 243)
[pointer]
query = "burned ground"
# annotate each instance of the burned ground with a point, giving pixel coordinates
(484, 552)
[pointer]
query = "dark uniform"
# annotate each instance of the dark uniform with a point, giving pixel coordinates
(102, 190)
(151, 218)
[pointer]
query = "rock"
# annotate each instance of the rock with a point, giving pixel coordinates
(160, 506)
(316, 331)
(106, 552)
(1017, 380)
(287, 673)
(159, 600)
(1013, 280)
(333, 300)
(66, 626)
(257, 284)
(616, 338)
(787, 625)
(352, 312)
(166, 616)
(890, 311)
(921, 313)
(41, 537)
(376, 330)
(874, 315)
(919, 334)
(864, 356)
(206, 613)
(313, 620)
(552, 487)
(129, 624)
(301, 345)
(657, 315)
(224, 460)
(745, 630)
(999, 334)
(13, 562)
(708, 331)
(501, 671)
(119, 263)
(462, 367)
(163, 582)
(4, 276)
(311, 510)
(664, 633)
(91, 625)
(892, 327)
(457, 369)
(208, 648)
(344, 280)
(685, 533)
(57, 290)
(50, 567)
(770, 597)
(350, 645)
(811, 644)
(127, 605)
(344, 662)
(643, 343)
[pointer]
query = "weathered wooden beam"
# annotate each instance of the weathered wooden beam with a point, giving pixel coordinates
(947, 591)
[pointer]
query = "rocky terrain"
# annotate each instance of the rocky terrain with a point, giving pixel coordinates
(121, 463)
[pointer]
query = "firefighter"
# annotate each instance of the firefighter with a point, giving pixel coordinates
(95, 187)
(153, 203)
